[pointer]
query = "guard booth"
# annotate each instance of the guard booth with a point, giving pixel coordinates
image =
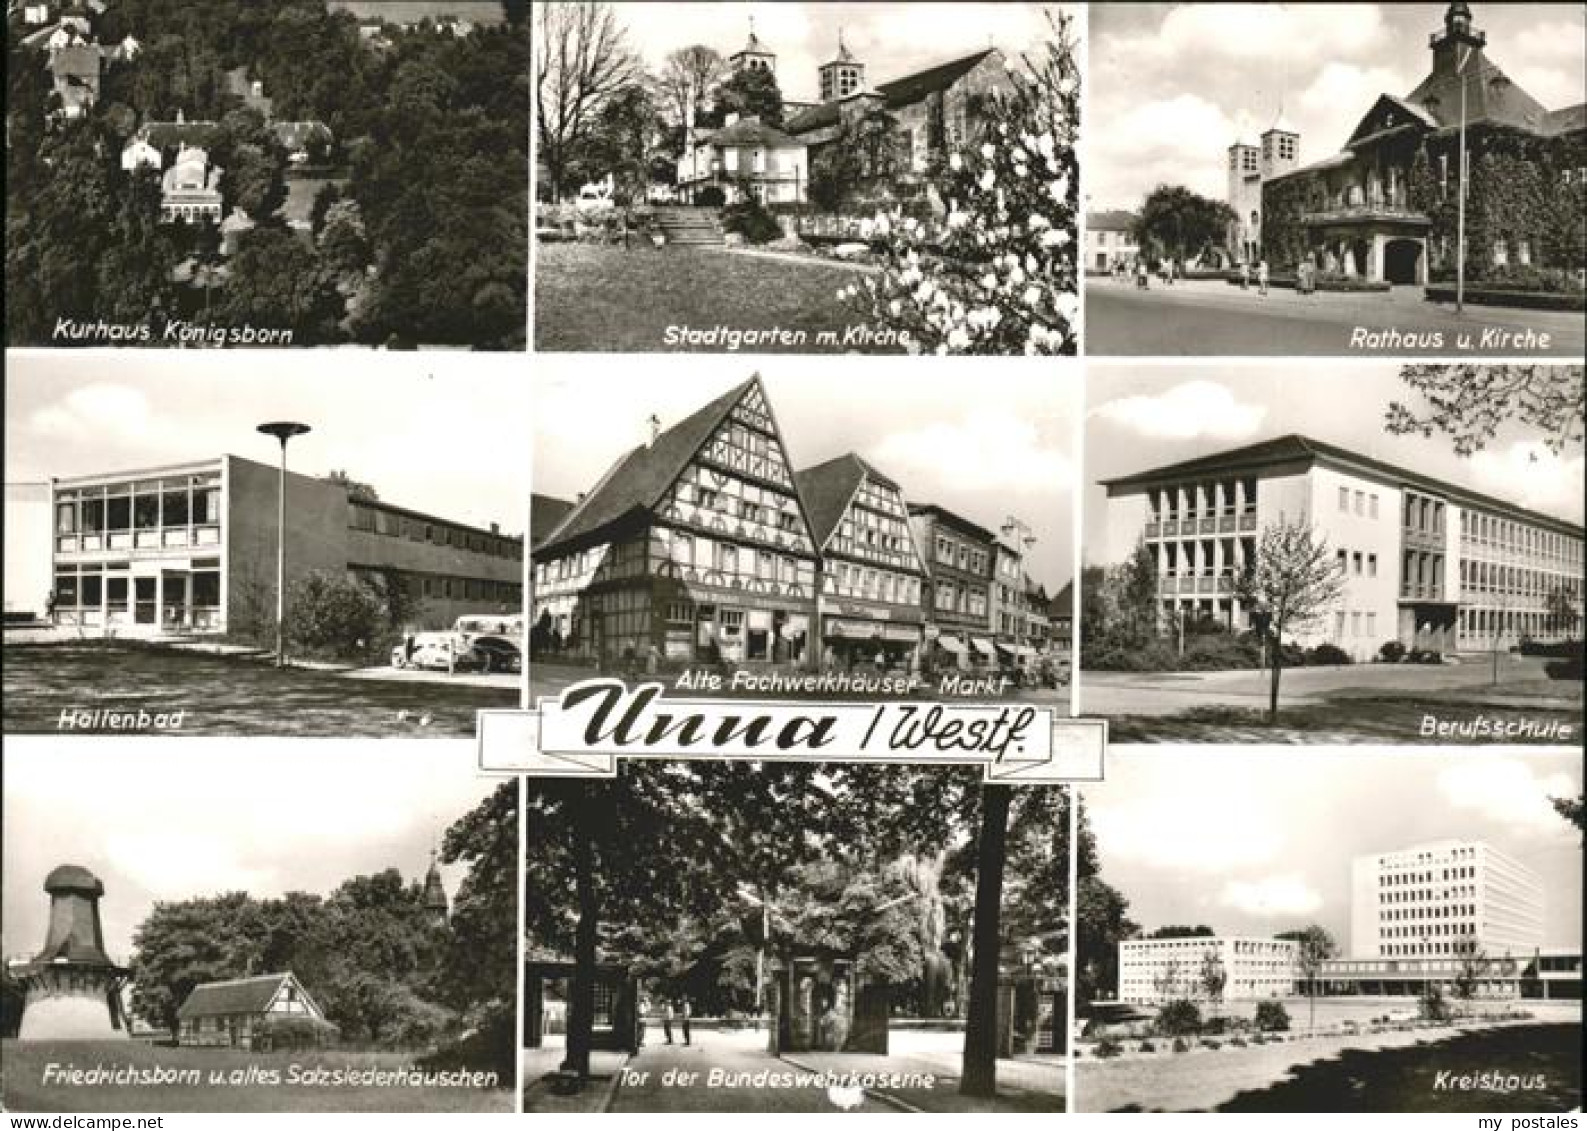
(1032, 1015)
(818, 1007)
(548, 997)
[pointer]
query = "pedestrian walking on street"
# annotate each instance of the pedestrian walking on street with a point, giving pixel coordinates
(1261, 277)
(1142, 281)
(1245, 275)
(666, 1020)
(684, 1012)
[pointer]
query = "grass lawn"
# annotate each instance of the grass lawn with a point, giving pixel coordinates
(606, 299)
(1532, 1067)
(1541, 1064)
(227, 1080)
(1347, 719)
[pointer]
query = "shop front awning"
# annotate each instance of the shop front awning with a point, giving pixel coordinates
(1023, 651)
(951, 644)
(982, 645)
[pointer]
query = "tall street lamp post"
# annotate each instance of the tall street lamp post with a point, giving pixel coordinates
(282, 430)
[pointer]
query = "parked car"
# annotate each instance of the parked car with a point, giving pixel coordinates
(496, 640)
(436, 651)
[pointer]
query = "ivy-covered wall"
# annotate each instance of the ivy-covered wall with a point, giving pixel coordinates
(1526, 195)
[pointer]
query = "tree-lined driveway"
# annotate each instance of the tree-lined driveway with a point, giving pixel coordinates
(1204, 316)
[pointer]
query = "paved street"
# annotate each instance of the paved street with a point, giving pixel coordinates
(675, 1078)
(1168, 693)
(1205, 317)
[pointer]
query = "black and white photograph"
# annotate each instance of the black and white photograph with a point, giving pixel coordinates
(1336, 179)
(332, 550)
(753, 528)
(807, 177)
(339, 936)
(749, 937)
(224, 173)
(1394, 557)
(1341, 932)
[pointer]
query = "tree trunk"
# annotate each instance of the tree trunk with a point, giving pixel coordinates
(581, 1007)
(980, 1031)
(1276, 666)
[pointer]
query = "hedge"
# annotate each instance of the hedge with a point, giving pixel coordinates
(1527, 300)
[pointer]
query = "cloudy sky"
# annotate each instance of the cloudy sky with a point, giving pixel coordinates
(1143, 415)
(1170, 86)
(1253, 842)
(984, 441)
(892, 40)
(185, 819)
(439, 433)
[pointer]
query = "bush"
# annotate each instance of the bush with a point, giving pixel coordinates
(1178, 1018)
(1214, 1026)
(1180, 1045)
(1237, 1042)
(711, 196)
(277, 1032)
(1211, 1045)
(1392, 652)
(748, 217)
(1424, 656)
(1147, 1046)
(1327, 656)
(1107, 1047)
(1271, 1016)
(334, 615)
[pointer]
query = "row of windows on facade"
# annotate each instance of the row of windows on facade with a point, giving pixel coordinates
(144, 505)
(749, 503)
(628, 559)
(1492, 577)
(1400, 879)
(376, 520)
(1212, 557)
(1429, 904)
(445, 587)
(96, 586)
(1507, 534)
(952, 552)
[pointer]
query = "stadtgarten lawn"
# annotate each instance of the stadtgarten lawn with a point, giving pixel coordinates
(606, 298)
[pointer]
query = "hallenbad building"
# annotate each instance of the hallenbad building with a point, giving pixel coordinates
(1426, 562)
(191, 548)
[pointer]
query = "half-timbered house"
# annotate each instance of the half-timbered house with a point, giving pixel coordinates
(233, 1014)
(692, 547)
(871, 574)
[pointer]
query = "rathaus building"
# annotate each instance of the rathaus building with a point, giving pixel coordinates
(1384, 208)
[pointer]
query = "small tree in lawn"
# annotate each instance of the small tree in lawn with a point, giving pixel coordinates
(1471, 966)
(1294, 581)
(997, 271)
(1313, 947)
(1213, 979)
(1166, 980)
(1562, 611)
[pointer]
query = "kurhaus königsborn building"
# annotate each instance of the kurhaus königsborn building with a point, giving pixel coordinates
(703, 545)
(192, 548)
(1384, 208)
(1427, 563)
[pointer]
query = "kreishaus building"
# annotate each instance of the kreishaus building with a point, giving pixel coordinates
(1425, 562)
(1428, 914)
(192, 548)
(1385, 207)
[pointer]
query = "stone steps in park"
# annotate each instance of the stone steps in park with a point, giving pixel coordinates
(689, 226)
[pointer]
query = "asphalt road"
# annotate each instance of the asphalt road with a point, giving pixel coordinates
(1211, 317)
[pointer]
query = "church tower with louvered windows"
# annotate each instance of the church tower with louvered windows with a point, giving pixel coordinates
(693, 547)
(843, 76)
(436, 906)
